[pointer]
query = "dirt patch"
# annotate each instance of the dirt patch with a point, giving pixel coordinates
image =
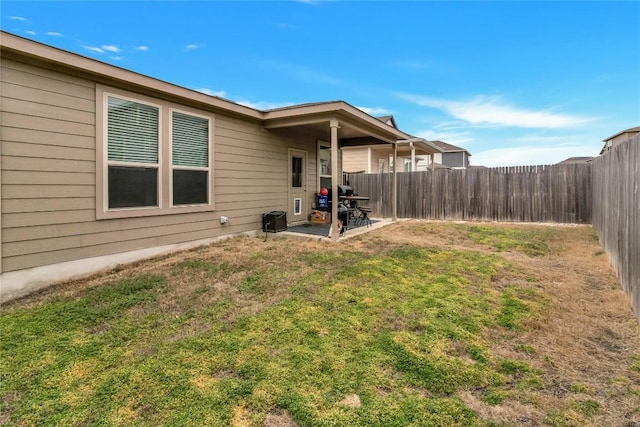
(279, 419)
(509, 412)
(351, 400)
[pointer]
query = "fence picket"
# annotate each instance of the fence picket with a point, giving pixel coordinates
(554, 193)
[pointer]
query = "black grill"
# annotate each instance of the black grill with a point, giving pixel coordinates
(345, 190)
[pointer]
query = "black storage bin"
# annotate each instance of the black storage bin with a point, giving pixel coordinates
(274, 221)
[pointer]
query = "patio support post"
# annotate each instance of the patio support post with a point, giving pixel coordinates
(413, 157)
(335, 230)
(433, 161)
(395, 182)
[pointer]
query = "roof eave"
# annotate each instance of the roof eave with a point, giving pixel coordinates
(633, 129)
(19, 47)
(338, 110)
(32, 51)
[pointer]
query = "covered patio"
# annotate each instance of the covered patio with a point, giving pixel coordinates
(321, 231)
(338, 124)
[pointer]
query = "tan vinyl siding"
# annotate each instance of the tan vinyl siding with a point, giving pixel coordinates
(48, 123)
(381, 154)
(355, 159)
(49, 176)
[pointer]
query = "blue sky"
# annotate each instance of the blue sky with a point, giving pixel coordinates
(513, 82)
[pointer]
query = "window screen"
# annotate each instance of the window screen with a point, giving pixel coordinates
(190, 153)
(190, 187)
(132, 187)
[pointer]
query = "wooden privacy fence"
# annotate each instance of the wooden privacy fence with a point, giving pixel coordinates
(616, 213)
(555, 193)
(605, 192)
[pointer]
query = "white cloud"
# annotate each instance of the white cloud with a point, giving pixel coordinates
(31, 33)
(375, 111)
(142, 48)
(117, 58)
(54, 34)
(483, 110)
(461, 139)
(221, 93)
(93, 49)
(191, 47)
(110, 48)
(19, 18)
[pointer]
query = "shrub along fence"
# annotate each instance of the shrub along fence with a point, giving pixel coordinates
(616, 213)
(548, 193)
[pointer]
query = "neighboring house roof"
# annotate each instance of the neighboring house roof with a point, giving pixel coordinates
(449, 148)
(390, 120)
(611, 141)
(634, 129)
(573, 160)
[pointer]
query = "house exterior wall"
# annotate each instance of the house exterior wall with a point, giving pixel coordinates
(424, 162)
(616, 140)
(48, 197)
(356, 159)
(380, 155)
(622, 138)
(455, 159)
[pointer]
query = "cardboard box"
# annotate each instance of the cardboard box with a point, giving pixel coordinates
(320, 217)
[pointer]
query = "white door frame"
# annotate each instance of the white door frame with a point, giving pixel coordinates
(297, 198)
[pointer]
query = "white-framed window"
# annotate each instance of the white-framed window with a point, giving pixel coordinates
(324, 165)
(381, 163)
(133, 134)
(153, 157)
(408, 165)
(190, 141)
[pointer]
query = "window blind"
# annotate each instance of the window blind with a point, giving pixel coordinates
(132, 131)
(190, 140)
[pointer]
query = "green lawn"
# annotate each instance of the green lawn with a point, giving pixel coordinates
(246, 329)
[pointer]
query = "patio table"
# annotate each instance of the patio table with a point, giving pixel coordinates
(357, 213)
